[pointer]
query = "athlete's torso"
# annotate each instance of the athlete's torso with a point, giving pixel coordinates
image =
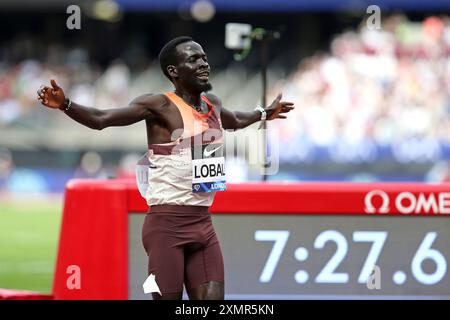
(173, 162)
(167, 121)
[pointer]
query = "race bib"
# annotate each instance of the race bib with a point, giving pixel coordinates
(208, 168)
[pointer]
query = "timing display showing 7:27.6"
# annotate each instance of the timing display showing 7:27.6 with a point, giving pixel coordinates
(426, 265)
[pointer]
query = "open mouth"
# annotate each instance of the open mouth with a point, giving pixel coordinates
(204, 75)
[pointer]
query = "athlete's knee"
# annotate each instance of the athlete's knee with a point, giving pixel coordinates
(215, 291)
(212, 290)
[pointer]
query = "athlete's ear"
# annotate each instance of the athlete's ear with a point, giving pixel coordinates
(172, 70)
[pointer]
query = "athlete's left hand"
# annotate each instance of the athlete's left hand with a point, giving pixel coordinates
(278, 108)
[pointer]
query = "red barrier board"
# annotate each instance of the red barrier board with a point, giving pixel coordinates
(94, 231)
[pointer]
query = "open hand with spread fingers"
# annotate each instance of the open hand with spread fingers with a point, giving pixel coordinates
(278, 108)
(51, 97)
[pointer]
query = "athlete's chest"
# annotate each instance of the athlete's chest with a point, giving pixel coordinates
(187, 118)
(172, 123)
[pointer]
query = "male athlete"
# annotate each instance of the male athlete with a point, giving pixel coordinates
(185, 143)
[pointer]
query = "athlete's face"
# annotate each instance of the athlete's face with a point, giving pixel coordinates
(193, 68)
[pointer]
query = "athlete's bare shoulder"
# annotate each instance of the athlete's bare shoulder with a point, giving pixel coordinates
(151, 101)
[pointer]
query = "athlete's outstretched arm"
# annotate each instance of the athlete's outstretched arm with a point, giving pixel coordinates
(139, 109)
(239, 120)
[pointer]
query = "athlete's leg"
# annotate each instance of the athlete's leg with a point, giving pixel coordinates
(165, 259)
(204, 274)
(167, 264)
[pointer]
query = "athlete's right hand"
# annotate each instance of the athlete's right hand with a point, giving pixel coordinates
(51, 97)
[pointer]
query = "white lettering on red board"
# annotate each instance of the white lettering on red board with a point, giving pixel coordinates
(407, 202)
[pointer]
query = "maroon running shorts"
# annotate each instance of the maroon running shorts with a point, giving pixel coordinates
(182, 247)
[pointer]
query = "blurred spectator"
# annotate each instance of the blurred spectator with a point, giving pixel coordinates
(91, 166)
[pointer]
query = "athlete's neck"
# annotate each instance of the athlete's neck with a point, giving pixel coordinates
(193, 99)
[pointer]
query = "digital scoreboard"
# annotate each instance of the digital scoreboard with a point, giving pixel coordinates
(329, 257)
(279, 241)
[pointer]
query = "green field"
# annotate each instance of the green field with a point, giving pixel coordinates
(29, 233)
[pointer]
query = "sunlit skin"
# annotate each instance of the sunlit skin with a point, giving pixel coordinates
(190, 78)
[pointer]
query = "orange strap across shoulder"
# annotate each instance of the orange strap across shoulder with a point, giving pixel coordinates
(194, 122)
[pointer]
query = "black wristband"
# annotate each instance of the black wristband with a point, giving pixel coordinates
(66, 105)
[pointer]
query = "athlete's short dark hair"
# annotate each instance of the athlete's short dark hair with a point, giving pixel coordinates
(168, 54)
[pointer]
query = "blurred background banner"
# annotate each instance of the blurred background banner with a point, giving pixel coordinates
(283, 5)
(257, 5)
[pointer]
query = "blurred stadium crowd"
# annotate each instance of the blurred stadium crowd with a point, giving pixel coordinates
(87, 83)
(376, 96)
(374, 89)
